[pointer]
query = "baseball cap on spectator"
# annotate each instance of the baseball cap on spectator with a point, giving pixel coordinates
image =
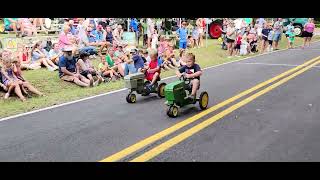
(84, 54)
(67, 49)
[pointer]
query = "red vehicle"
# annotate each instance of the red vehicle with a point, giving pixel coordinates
(214, 28)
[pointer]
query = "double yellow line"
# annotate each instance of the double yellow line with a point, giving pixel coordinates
(177, 139)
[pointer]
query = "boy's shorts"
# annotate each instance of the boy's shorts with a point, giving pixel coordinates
(182, 45)
(277, 37)
(149, 76)
(270, 42)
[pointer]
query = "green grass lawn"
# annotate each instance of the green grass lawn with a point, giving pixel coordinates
(59, 92)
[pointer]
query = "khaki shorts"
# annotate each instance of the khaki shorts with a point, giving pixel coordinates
(67, 78)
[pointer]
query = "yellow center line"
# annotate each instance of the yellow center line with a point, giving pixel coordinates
(181, 137)
(141, 144)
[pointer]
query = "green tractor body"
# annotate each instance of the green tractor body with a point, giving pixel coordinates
(135, 82)
(175, 93)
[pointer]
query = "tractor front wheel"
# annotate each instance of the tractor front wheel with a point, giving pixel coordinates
(173, 111)
(131, 98)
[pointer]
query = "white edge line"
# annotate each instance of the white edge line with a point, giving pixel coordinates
(111, 92)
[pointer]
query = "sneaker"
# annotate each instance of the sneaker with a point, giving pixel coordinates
(96, 83)
(149, 87)
(6, 96)
(50, 68)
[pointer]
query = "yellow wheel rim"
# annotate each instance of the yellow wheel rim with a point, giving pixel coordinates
(162, 90)
(204, 100)
(174, 111)
(133, 98)
(1, 28)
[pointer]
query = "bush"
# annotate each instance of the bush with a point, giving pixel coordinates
(317, 25)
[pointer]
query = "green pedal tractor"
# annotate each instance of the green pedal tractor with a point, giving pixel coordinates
(136, 82)
(176, 96)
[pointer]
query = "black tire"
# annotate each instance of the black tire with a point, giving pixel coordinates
(203, 100)
(146, 92)
(300, 27)
(173, 111)
(161, 90)
(131, 98)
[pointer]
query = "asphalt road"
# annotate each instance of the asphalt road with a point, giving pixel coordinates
(278, 126)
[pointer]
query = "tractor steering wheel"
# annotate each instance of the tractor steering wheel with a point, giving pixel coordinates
(186, 80)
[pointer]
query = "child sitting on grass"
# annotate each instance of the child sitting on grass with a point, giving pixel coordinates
(86, 69)
(10, 80)
(108, 72)
(182, 60)
(152, 71)
(191, 71)
(25, 84)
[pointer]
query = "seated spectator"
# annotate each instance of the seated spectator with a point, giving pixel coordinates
(138, 63)
(39, 57)
(109, 35)
(117, 34)
(23, 54)
(99, 38)
(55, 53)
(63, 38)
(85, 45)
(72, 28)
(67, 69)
(25, 84)
(27, 28)
(106, 71)
(104, 22)
(86, 69)
(182, 60)
(38, 22)
(11, 24)
(10, 80)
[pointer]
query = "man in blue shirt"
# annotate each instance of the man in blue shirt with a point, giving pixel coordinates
(138, 63)
(182, 33)
(134, 26)
(67, 69)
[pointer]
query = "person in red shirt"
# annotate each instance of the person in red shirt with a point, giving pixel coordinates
(152, 70)
(238, 44)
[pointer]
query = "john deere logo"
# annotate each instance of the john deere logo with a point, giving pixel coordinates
(11, 44)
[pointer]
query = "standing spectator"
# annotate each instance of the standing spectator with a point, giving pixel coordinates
(231, 36)
(154, 41)
(182, 36)
(201, 26)
(308, 32)
(195, 36)
(150, 28)
(134, 28)
(67, 69)
(289, 32)
(265, 33)
(277, 27)
(260, 22)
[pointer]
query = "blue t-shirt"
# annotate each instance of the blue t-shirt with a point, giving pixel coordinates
(73, 30)
(91, 38)
(109, 37)
(134, 25)
(190, 70)
(70, 65)
(98, 34)
(138, 61)
(289, 29)
(266, 32)
(182, 32)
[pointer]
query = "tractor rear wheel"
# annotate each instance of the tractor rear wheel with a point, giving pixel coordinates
(161, 90)
(203, 100)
